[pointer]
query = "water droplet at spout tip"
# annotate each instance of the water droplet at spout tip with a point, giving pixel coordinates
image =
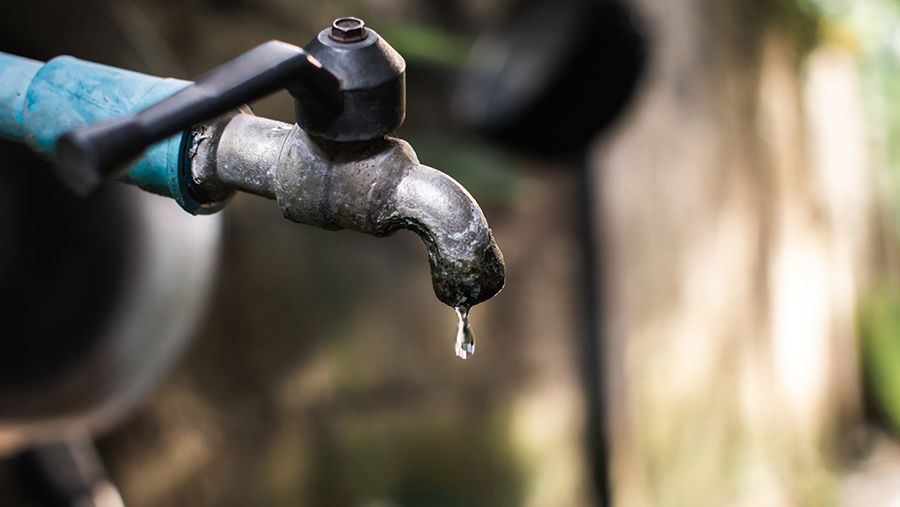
(465, 350)
(465, 340)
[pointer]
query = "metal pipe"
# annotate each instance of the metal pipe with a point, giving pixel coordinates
(248, 153)
(376, 187)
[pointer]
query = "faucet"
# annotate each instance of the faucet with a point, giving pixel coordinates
(375, 187)
(336, 168)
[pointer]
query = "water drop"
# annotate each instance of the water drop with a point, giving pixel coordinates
(465, 340)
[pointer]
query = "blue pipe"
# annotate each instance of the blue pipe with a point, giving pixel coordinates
(41, 101)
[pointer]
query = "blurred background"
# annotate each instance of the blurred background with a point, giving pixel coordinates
(699, 206)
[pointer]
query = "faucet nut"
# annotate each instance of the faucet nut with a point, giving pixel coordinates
(348, 30)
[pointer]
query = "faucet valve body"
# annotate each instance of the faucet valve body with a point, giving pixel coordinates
(377, 188)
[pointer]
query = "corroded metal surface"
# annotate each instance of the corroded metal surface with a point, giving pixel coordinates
(376, 187)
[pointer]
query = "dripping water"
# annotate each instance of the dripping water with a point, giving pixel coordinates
(465, 340)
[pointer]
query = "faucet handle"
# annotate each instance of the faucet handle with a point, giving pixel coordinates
(373, 84)
(88, 155)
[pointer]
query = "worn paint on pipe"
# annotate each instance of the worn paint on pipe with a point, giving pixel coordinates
(39, 102)
(16, 74)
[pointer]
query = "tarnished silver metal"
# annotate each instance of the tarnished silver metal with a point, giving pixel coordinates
(244, 155)
(376, 187)
(202, 153)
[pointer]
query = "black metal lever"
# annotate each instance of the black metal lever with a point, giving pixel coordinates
(89, 155)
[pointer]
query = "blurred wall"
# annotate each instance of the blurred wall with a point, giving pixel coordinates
(736, 203)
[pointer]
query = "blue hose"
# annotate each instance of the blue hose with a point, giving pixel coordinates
(39, 102)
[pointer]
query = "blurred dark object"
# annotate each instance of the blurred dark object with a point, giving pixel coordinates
(100, 298)
(554, 77)
(548, 84)
(68, 473)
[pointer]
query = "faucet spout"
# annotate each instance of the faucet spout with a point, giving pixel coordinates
(374, 187)
(467, 267)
